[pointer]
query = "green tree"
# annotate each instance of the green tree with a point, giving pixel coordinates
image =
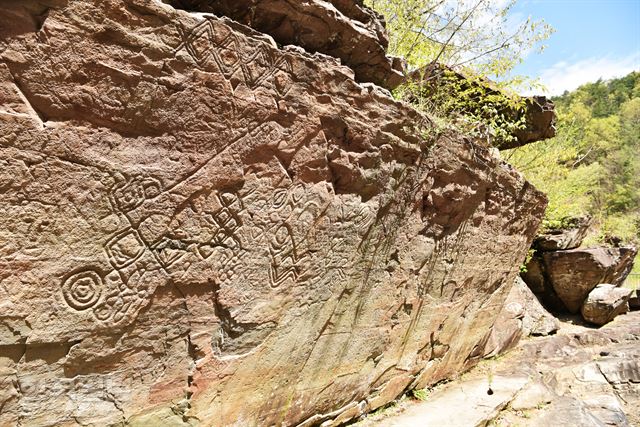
(480, 35)
(593, 165)
(451, 47)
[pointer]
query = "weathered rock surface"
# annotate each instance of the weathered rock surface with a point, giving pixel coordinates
(537, 321)
(344, 29)
(200, 227)
(540, 122)
(534, 275)
(574, 273)
(604, 303)
(580, 377)
(561, 239)
(521, 316)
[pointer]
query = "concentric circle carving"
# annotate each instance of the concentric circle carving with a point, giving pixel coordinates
(82, 290)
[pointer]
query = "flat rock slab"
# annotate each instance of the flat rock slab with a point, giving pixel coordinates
(581, 376)
(469, 403)
(562, 239)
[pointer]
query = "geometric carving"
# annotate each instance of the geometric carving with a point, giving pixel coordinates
(284, 258)
(135, 192)
(127, 292)
(124, 248)
(169, 251)
(82, 290)
(226, 222)
(280, 198)
(211, 45)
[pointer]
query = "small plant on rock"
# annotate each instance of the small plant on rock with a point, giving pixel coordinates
(420, 394)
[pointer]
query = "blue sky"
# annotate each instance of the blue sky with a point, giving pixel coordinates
(593, 39)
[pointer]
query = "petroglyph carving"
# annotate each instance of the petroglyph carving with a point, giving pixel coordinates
(82, 290)
(217, 46)
(124, 248)
(280, 198)
(169, 251)
(132, 194)
(177, 193)
(225, 221)
(284, 257)
(128, 292)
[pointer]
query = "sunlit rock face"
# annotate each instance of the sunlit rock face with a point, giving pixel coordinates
(198, 227)
(344, 29)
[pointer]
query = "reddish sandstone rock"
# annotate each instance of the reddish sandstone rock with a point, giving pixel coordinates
(344, 29)
(521, 316)
(199, 226)
(561, 239)
(574, 273)
(538, 111)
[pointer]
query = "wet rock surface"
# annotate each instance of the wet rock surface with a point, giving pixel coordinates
(200, 227)
(579, 377)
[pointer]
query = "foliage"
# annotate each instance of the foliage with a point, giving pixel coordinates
(421, 394)
(478, 34)
(593, 165)
(440, 39)
(523, 266)
(471, 103)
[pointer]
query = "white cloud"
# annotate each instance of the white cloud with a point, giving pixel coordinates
(568, 76)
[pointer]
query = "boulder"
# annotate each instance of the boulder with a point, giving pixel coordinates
(533, 275)
(604, 303)
(344, 29)
(200, 226)
(537, 321)
(573, 273)
(507, 329)
(562, 239)
(521, 316)
(539, 124)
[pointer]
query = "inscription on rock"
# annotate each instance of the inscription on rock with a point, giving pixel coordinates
(200, 219)
(82, 290)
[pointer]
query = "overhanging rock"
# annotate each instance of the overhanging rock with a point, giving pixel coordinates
(197, 226)
(344, 29)
(487, 101)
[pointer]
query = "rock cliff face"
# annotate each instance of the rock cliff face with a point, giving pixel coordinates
(200, 227)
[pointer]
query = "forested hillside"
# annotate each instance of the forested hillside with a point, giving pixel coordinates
(592, 166)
